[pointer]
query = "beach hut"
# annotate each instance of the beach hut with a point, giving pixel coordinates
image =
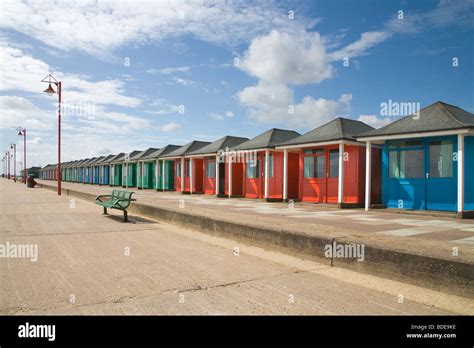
(145, 169)
(63, 171)
(80, 169)
(163, 178)
(327, 165)
(183, 168)
(104, 170)
(130, 169)
(427, 160)
(210, 164)
(88, 170)
(70, 171)
(95, 170)
(256, 167)
(47, 172)
(116, 169)
(51, 171)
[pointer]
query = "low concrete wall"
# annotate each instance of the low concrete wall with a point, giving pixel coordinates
(455, 277)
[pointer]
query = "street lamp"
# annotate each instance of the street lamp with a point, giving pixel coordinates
(22, 131)
(4, 167)
(50, 80)
(8, 164)
(13, 146)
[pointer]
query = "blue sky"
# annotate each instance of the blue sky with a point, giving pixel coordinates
(139, 75)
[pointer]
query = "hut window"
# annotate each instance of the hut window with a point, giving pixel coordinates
(441, 159)
(314, 163)
(333, 163)
(252, 169)
(270, 166)
(406, 164)
(187, 169)
(210, 169)
(178, 169)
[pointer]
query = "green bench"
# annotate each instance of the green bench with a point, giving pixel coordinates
(117, 200)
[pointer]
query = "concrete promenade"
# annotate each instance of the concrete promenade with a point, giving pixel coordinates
(89, 263)
(431, 251)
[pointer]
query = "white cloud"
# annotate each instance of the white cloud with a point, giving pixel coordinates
(220, 117)
(169, 70)
(89, 25)
(23, 72)
(35, 141)
(446, 13)
(274, 104)
(183, 82)
(171, 127)
(164, 107)
(282, 59)
(224, 84)
(375, 121)
(18, 111)
(287, 58)
(360, 47)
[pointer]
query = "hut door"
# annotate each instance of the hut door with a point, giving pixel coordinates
(332, 175)
(221, 178)
(261, 182)
(440, 183)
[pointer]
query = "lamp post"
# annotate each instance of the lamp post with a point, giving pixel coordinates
(22, 131)
(50, 91)
(13, 146)
(8, 164)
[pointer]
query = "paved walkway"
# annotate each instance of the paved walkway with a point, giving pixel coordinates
(91, 264)
(408, 232)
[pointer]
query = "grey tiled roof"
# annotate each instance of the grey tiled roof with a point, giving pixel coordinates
(161, 152)
(121, 156)
(90, 160)
(142, 154)
(271, 138)
(132, 155)
(185, 149)
(105, 159)
(220, 144)
(96, 161)
(438, 116)
(337, 129)
(79, 163)
(115, 158)
(46, 167)
(71, 163)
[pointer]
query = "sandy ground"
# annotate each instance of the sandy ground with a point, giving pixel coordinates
(93, 264)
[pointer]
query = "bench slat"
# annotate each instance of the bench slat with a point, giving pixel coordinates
(118, 200)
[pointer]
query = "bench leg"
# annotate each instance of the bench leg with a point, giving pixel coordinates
(105, 211)
(125, 216)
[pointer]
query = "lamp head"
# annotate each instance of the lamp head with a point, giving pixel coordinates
(49, 90)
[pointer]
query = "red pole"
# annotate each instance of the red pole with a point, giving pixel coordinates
(59, 139)
(14, 162)
(8, 154)
(24, 155)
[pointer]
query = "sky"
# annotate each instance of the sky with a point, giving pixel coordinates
(146, 74)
